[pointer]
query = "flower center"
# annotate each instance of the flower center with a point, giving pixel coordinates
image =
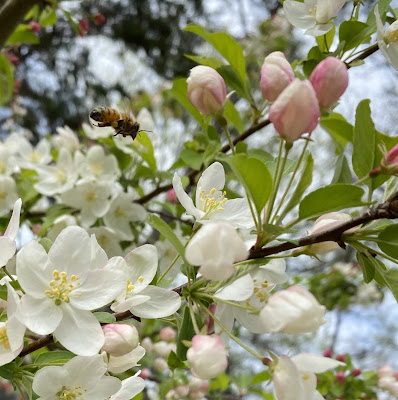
(119, 212)
(131, 287)
(71, 394)
(61, 286)
(4, 343)
(391, 33)
(96, 167)
(3, 195)
(61, 175)
(35, 156)
(210, 203)
(259, 291)
(91, 196)
(312, 11)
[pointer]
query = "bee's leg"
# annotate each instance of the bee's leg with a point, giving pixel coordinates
(102, 124)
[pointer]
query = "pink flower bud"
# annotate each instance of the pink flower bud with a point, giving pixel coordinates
(385, 371)
(171, 196)
(207, 356)
(99, 19)
(340, 357)
(145, 373)
(34, 26)
(327, 353)
(389, 164)
(206, 90)
(294, 310)
(160, 364)
(295, 111)
(83, 27)
(182, 390)
(146, 343)
(330, 80)
(340, 376)
(356, 372)
(276, 74)
(167, 333)
(120, 339)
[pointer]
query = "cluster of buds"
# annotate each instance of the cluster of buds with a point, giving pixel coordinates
(196, 389)
(388, 380)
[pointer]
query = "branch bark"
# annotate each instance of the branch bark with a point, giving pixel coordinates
(11, 14)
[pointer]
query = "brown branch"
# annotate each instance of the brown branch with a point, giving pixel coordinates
(37, 344)
(388, 209)
(192, 174)
(11, 14)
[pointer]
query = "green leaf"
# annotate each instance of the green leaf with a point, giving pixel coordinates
(325, 41)
(7, 371)
(254, 176)
(173, 361)
(220, 383)
(342, 173)
(192, 158)
(48, 17)
(209, 61)
(388, 240)
(330, 198)
(146, 150)
(339, 129)
(54, 357)
(364, 140)
(391, 279)
(46, 243)
(179, 91)
(302, 185)
(163, 228)
(368, 269)
(232, 116)
(261, 377)
(186, 332)
(6, 79)
(232, 80)
(22, 35)
(353, 33)
(383, 7)
(227, 46)
(105, 317)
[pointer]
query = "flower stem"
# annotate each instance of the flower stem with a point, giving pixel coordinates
(226, 131)
(362, 180)
(231, 335)
(11, 277)
(169, 268)
(230, 302)
(194, 323)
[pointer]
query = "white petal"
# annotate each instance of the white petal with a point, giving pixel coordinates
(117, 365)
(287, 381)
(7, 250)
(71, 251)
(130, 388)
(86, 371)
(56, 375)
(250, 321)
(236, 212)
(274, 271)
(298, 14)
(129, 303)
(213, 177)
(13, 225)
(184, 199)
(15, 334)
(41, 316)
(326, 10)
(98, 254)
(239, 290)
(319, 29)
(106, 387)
(79, 332)
(162, 303)
(306, 362)
(142, 264)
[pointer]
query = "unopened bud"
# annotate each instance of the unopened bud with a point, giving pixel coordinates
(120, 339)
(34, 26)
(327, 353)
(167, 333)
(99, 19)
(171, 196)
(160, 364)
(356, 372)
(83, 27)
(340, 357)
(340, 376)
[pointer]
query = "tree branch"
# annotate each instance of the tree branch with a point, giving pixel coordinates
(192, 174)
(388, 209)
(11, 14)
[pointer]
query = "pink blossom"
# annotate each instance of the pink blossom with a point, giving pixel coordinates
(120, 339)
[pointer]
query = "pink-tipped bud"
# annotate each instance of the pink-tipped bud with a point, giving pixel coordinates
(206, 90)
(295, 111)
(276, 74)
(12, 58)
(340, 376)
(356, 372)
(340, 357)
(99, 19)
(330, 80)
(160, 364)
(145, 373)
(83, 27)
(182, 391)
(167, 333)
(207, 356)
(328, 353)
(171, 196)
(34, 26)
(120, 339)
(389, 164)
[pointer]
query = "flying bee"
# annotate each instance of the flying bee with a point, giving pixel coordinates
(122, 122)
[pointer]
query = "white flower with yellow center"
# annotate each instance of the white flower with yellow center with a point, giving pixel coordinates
(12, 330)
(312, 15)
(58, 178)
(66, 138)
(140, 298)
(30, 157)
(81, 378)
(97, 165)
(92, 198)
(8, 194)
(387, 39)
(211, 203)
(64, 285)
(122, 212)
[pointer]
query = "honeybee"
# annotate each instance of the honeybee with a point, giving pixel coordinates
(122, 122)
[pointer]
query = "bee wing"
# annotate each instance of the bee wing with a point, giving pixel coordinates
(145, 120)
(124, 106)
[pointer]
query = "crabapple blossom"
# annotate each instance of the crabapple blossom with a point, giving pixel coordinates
(211, 203)
(65, 285)
(329, 80)
(294, 378)
(206, 90)
(387, 39)
(140, 298)
(294, 310)
(120, 339)
(59, 178)
(30, 157)
(118, 365)
(79, 375)
(276, 74)
(312, 15)
(7, 242)
(66, 138)
(216, 247)
(295, 111)
(8, 164)
(207, 356)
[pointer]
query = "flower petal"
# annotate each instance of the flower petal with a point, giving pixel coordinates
(106, 387)
(56, 375)
(162, 303)
(236, 212)
(129, 303)
(79, 331)
(239, 290)
(298, 14)
(184, 199)
(13, 225)
(213, 177)
(85, 371)
(7, 250)
(117, 365)
(130, 388)
(306, 362)
(287, 381)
